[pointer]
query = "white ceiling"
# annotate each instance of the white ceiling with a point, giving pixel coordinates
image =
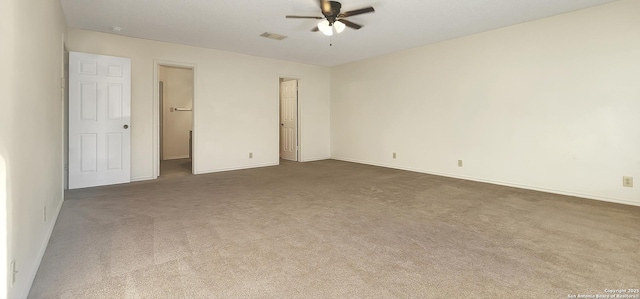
(235, 25)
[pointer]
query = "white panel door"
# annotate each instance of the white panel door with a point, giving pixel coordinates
(289, 120)
(99, 120)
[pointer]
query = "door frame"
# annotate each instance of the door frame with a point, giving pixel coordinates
(156, 113)
(299, 108)
(64, 84)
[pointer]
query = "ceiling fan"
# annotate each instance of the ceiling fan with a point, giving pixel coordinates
(333, 18)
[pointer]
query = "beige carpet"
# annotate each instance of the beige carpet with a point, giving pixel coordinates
(170, 169)
(332, 229)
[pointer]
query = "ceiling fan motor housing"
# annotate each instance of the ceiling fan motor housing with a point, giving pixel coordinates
(334, 13)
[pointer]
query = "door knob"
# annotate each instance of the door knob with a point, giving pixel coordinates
(126, 126)
(282, 124)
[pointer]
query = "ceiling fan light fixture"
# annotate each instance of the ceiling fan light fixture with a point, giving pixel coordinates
(339, 26)
(325, 27)
(328, 32)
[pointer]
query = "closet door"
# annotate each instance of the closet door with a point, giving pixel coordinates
(99, 120)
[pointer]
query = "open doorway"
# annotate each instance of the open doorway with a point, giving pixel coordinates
(175, 106)
(289, 119)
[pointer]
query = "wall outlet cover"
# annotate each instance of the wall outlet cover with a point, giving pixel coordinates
(627, 181)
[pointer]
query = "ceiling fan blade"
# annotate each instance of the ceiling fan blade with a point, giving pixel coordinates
(350, 24)
(315, 29)
(356, 12)
(325, 6)
(304, 17)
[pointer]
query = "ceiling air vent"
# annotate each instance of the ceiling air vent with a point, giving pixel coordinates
(273, 36)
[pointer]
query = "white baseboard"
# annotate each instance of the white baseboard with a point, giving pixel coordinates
(146, 178)
(237, 168)
(314, 159)
(501, 183)
(43, 247)
(176, 157)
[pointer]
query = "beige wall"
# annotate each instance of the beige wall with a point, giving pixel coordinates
(178, 92)
(6, 95)
(31, 129)
(235, 105)
(552, 105)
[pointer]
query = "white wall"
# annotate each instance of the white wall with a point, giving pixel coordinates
(178, 92)
(6, 92)
(3, 228)
(552, 105)
(31, 129)
(236, 102)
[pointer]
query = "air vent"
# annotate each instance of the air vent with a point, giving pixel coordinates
(273, 36)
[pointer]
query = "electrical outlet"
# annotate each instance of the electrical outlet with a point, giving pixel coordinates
(13, 272)
(459, 163)
(627, 181)
(44, 214)
(394, 155)
(250, 155)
